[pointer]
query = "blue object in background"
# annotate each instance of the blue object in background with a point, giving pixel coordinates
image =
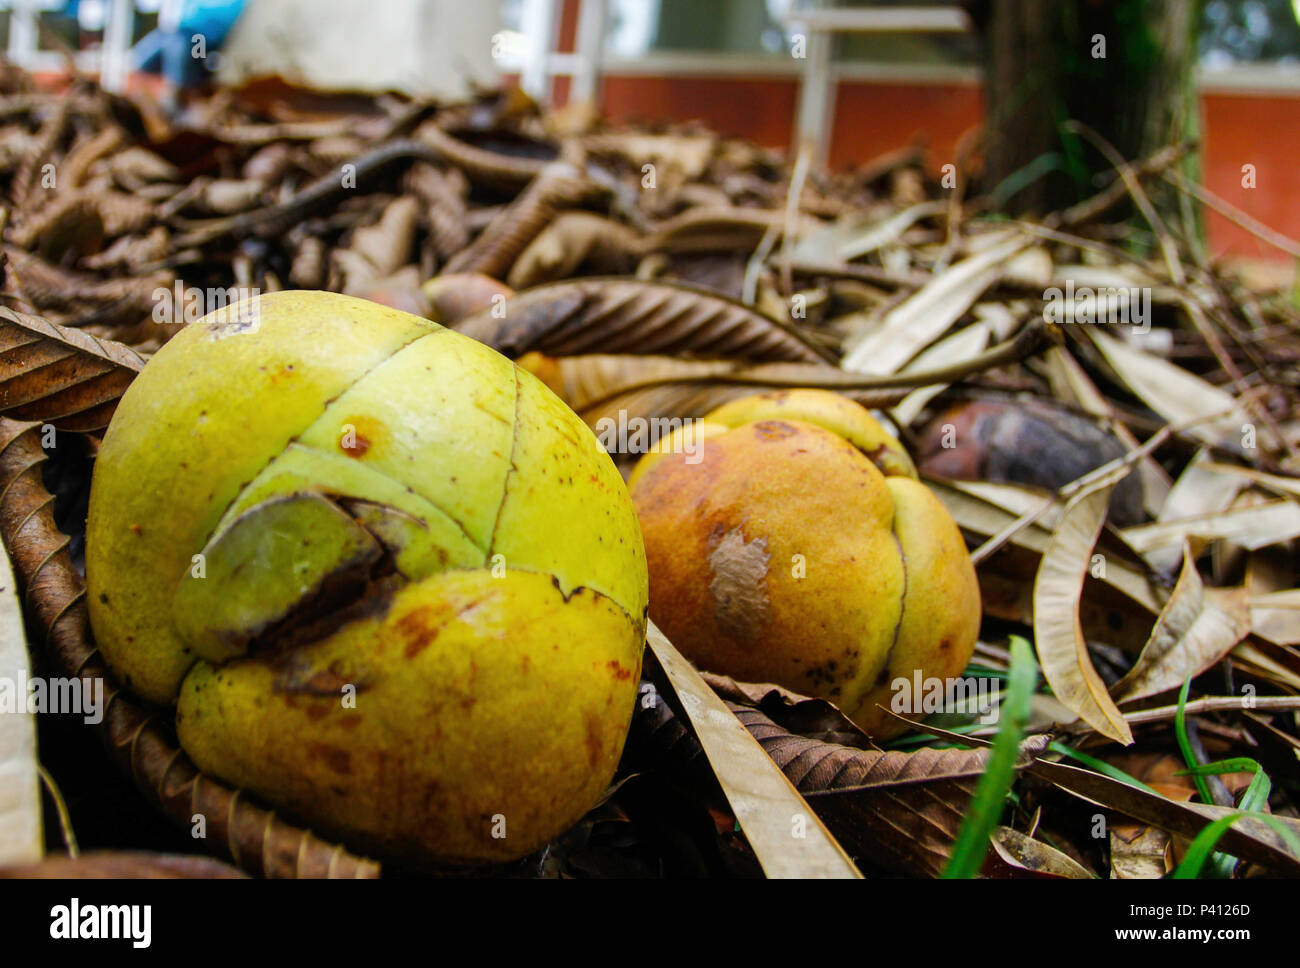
(170, 50)
(211, 18)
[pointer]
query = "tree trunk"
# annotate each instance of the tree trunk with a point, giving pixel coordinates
(1125, 68)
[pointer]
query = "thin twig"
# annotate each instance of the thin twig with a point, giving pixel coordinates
(1233, 214)
(61, 808)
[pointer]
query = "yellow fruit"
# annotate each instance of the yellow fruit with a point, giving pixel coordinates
(781, 553)
(392, 583)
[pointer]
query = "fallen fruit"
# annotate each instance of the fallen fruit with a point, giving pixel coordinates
(1024, 442)
(391, 582)
(791, 543)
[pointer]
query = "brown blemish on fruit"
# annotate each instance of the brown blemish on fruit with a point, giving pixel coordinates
(773, 430)
(739, 584)
(621, 673)
(365, 432)
(419, 627)
(422, 625)
(317, 711)
(335, 757)
(594, 744)
(355, 444)
(297, 675)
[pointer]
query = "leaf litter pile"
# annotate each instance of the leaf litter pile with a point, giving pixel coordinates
(1130, 492)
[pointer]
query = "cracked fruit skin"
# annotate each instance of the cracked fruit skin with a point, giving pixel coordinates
(785, 553)
(420, 610)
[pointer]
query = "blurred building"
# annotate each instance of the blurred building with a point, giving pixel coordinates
(754, 68)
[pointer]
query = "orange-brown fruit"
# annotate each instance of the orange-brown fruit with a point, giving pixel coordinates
(780, 552)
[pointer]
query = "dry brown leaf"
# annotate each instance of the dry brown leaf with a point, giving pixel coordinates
(624, 386)
(618, 315)
(975, 511)
(901, 810)
(1058, 634)
(1024, 852)
(1196, 628)
(959, 346)
(1249, 838)
(379, 250)
(782, 829)
(60, 376)
(571, 239)
(1070, 382)
(1139, 852)
(815, 766)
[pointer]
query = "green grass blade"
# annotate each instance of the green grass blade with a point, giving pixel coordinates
(1256, 796)
(1185, 744)
(1201, 850)
(991, 792)
(1099, 766)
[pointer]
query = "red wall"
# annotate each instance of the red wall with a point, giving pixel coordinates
(872, 118)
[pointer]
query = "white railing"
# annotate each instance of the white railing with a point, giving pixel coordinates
(112, 59)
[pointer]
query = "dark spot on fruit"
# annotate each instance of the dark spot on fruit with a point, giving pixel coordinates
(317, 711)
(620, 673)
(593, 741)
(354, 445)
(773, 430)
(335, 757)
(419, 627)
(359, 434)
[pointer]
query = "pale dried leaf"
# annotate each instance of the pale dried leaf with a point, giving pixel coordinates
(1020, 850)
(965, 344)
(21, 838)
(1174, 393)
(1058, 633)
(975, 513)
(910, 327)
(766, 804)
(1194, 631)
(1251, 527)
(1139, 852)
(1276, 616)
